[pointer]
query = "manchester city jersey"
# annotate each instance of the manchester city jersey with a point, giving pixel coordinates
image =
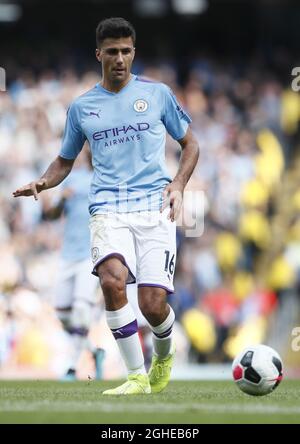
(76, 239)
(127, 133)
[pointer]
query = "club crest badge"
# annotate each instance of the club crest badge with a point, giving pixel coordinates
(95, 254)
(140, 106)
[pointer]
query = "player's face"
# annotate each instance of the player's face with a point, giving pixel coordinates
(116, 56)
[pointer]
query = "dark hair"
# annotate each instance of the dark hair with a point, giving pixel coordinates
(115, 28)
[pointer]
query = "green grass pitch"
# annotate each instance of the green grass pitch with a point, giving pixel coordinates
(183, 402)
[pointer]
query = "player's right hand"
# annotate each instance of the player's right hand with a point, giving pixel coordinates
(31, 189)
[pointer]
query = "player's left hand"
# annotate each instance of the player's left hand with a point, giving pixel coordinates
(173, 196)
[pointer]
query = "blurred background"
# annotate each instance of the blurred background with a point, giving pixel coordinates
(230, 64)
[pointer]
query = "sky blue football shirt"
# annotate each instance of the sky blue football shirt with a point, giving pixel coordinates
(127, 134)
(76, 238)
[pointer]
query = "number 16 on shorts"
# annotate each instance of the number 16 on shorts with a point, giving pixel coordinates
(169, 264)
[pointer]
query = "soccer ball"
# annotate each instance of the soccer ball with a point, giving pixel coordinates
(257, 370)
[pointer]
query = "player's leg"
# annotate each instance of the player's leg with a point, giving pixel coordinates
(143, 325)
(62, 303)
(156, 256)
(161, 317)
(84, 299)
(112, 253)
(121, 320)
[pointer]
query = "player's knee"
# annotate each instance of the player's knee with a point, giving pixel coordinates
(113, 283)
(64, 315)
(112, 274)
(152, 307)
(81, 316)
(152, 301)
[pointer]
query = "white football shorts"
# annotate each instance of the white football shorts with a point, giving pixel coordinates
(74, 282)
(144, 241)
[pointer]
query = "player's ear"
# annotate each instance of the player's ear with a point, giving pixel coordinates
(98, 54)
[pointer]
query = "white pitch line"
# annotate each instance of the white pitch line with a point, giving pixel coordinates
(107, 407)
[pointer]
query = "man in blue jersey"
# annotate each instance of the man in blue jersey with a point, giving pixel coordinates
(133, 200)
(76, 290)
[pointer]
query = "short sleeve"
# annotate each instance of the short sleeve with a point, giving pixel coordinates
(175, 119)
(73, 138)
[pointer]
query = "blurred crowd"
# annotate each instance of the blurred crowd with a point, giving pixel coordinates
(238, 237)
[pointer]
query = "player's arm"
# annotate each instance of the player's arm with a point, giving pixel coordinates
(188, 159)
(57, 171)
(52, 212)
(173, 193)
